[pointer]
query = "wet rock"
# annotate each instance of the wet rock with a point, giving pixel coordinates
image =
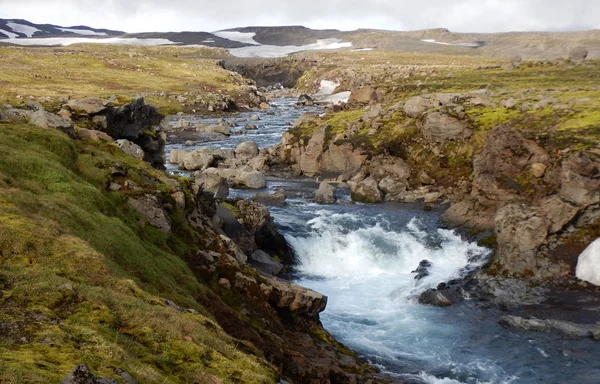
(422, 270)
(567, 328)
(250, 127)
(149, 208)
(435, 297)
(254, 118)
(246, 150)
(305, 100)
(218, 128)
(263, 262)
(325, 194)
(367, 191)
(91, 134)
(439, 127)
(81, 374)
(130, 148)
(276, 199)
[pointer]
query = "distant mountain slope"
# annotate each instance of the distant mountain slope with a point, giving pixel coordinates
(18, 28)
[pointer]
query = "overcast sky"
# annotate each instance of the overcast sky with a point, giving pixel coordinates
(201, 15)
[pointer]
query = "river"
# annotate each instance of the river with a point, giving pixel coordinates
(361, 256)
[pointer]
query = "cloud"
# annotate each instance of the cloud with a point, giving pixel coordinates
(177, 15)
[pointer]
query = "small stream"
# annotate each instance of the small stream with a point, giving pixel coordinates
(361, 256)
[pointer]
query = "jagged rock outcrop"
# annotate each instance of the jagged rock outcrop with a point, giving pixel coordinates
(325, 193)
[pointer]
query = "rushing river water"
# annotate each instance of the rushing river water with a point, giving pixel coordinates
(361, 256)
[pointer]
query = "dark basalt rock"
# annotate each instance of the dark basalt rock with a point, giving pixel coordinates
(422, 270)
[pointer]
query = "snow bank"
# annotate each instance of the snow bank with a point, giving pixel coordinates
(240, 37)
(588, 264)
(66, 41)
(468, 45)
(84, 32)
(24, 29)
(282, 51)
(9, 34)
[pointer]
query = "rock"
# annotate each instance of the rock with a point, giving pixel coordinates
(246, 150)
(509, 103)
(148, 207)
(264, 106)
(130, 148)
(367, 191)
(223, 154)
(250, 179)
(578, 53)
(199, 159)
(258, 221)
(588, 264)
(538, 170)
(236, 231)
(504, 156)
(89, 106)
(515, 59)
(364, 95)
(425, 179)
(34, 106)
(392, 187)
(90, 134)
(439, 127)
(222, 191)
(176, 156)
(422, 270)
(218, 128)
(99, 121)
(45, 119)
(558, 211)
(262, 261)
(126, 376)
(520, 230)
(223, 282)
(580, 183)
(189, 143)
(373, 113)
(254, 118)
(251, 127)
(391, 167)
(81, 374)
(305, 100)
(207, 181)
(417, 105)
(325, 194)
(276, 199)
(291, 297)
(567, 328)
(259, 163)
(434, 297)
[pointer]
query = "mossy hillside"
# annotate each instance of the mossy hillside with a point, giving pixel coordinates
(81, 278)
(79, 71)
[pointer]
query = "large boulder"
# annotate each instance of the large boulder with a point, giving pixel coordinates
(417, 105)
(325, 193)
(218, 128)
(367, 191)
(149, 209)
(263, 262)
(505, 156)
(389, 167)
(235, 230)
(439, 127)
(176, 156)
(130, 148)
(199, 159)
(293, 298)
(578, 53)
(246, 150)
(580, 183)
(89, 106)
(250, 179)
(256, 218)
(94, 135)
(45, 119)
(364, 95)
(520, 230)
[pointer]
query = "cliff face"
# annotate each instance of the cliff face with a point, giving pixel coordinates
(108, 262)
(511, 154)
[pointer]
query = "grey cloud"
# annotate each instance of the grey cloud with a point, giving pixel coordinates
(177, 15)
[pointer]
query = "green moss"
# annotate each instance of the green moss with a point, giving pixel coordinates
(81, 278)
(232, 208)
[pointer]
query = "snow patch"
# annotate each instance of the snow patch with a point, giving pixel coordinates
(588, 264)
(24, 29)
(9, 34)
(66, 41)
(326, 95)
(468, 45)
(282, 51)
(240, 37)
(362, 49)
(327, 87)
(84, 32)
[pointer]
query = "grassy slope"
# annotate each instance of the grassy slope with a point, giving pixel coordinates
(80, 276)
(82, 71)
